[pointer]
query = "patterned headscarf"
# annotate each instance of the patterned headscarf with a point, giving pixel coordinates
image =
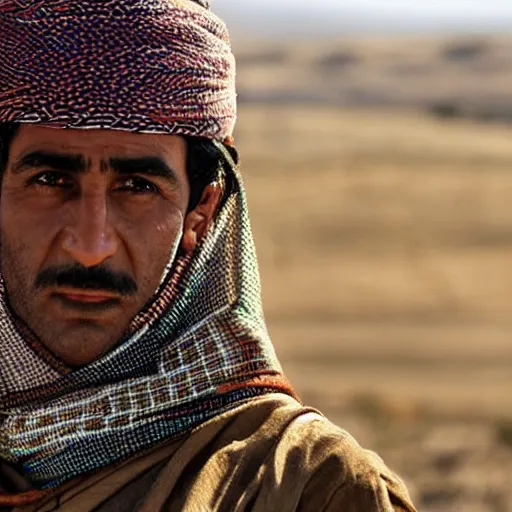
(201, 346)
(156, 66)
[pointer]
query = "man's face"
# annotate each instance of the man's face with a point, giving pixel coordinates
(89, 219)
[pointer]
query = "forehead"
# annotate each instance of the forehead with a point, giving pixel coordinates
(97, 143)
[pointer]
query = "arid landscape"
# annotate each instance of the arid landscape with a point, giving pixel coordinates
(384, 235)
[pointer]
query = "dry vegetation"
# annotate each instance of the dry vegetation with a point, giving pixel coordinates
(385, 242)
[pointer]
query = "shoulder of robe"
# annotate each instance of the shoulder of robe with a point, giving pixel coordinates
(272, 454)
(319, 465)
(275, 454)
(333, 463)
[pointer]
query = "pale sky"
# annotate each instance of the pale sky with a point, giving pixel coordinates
(383, 6)
(292, 15)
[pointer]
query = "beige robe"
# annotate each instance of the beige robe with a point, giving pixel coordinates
(269, 454)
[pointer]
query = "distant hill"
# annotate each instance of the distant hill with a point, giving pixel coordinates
(464, 76)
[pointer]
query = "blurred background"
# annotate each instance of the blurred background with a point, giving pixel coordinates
(376, 142)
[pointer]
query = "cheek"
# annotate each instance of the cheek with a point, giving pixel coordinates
(152, 242)
(154, 230)
(166, 237)
(19, 210)
(26, 233)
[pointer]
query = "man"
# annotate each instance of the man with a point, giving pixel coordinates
(136, 372)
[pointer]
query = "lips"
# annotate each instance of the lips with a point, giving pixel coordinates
(80, 297)
(86, 300)
(88, 296)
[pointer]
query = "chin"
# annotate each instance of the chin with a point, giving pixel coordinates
(82, 344)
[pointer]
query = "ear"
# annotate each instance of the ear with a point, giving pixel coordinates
(199, 219)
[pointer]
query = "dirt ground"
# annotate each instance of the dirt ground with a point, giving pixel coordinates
(385, 241)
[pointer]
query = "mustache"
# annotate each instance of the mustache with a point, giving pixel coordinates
(98, 277)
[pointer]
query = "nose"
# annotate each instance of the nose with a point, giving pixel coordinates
(88, 237)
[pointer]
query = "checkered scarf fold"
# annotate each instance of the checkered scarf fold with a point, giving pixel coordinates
(201, 347)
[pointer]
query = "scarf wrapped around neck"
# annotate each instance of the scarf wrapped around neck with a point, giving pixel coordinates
(200, 346)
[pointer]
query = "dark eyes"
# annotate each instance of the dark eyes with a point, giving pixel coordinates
(138, 185)
(135, 184)
(52, 179)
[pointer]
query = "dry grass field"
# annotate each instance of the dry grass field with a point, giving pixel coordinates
(385, 245)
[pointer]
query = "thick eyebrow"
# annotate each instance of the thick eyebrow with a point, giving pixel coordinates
(51, 160)
(148, 165)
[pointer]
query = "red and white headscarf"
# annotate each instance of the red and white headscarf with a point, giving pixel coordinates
(151, 66)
